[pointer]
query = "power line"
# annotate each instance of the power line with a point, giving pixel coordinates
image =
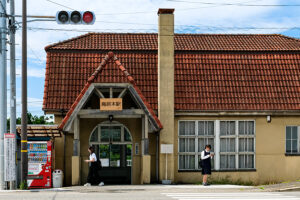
(237, 4)
(155, 29)
(60, 4)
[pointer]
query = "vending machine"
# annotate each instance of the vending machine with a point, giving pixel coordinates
(39, 164)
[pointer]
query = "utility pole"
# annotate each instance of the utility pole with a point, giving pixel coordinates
(3, 89)
(24, 158)
(12, 31)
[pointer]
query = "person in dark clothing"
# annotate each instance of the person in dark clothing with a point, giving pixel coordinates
(206, 156)
(93, 176)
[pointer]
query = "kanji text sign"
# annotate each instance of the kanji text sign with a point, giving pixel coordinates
(9, 157)
(111, 104)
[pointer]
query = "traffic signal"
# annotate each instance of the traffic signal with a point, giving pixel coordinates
(75, 17)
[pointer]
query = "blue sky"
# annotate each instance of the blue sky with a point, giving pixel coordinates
(191, 16)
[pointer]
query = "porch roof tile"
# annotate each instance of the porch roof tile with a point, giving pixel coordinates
(121, 75)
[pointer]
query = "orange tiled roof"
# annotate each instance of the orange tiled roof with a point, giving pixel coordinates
(204, 80)
(98, 73)
(183, 42)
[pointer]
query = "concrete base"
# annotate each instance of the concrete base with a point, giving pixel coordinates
(146, 169)
(166, 182)
(75, 170)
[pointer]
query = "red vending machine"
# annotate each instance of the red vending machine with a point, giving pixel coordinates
(39, 164)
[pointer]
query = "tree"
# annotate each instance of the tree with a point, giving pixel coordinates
(32, 119)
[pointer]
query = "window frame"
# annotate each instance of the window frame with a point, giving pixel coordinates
(217, 141)
(196, 137)
(298, 140)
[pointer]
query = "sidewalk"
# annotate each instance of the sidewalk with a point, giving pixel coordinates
(281, 187)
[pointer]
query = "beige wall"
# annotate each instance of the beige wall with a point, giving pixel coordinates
(59, 153)
(166, 86)
(271, 163)
(135, 128)
(86, 127)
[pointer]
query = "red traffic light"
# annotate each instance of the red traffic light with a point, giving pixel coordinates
(75, 17)
(88, 17)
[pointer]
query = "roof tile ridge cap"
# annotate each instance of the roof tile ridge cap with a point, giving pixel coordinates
(68, 40)
(75, 103)
(149, 107)
(100, 67)
(86, 86)
(288, 37)
(46, 80)
(124, 70)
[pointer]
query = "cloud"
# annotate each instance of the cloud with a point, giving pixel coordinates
(34, 106)
(141, 16)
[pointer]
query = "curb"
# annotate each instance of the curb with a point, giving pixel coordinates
(290, 189)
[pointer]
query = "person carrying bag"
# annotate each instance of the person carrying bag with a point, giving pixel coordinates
(95, 165)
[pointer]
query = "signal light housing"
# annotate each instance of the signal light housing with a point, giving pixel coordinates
(75, 17)
(88, 17)
(62, 17)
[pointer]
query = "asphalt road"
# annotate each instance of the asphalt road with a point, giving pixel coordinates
(150, 193)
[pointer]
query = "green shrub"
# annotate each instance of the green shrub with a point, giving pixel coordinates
(23, 185)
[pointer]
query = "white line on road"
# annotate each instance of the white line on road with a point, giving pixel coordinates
(227, 196)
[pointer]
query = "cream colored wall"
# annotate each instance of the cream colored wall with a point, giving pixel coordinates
(271, 163)
(135, 128)
(59, 153)
(166, 86)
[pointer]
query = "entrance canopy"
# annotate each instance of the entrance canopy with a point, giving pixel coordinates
(127, 90)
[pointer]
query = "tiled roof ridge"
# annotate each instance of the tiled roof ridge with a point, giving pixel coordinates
(49, 47)
(68, 40)
(85, 88)
(92, 78)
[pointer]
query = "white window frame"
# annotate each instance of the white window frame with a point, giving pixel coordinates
(217, 138)
(243, 137)
(298, 140)
(196, 138)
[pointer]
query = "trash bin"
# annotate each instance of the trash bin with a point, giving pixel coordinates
(57, 176)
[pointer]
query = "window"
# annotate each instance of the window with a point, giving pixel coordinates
(112, 144)
(227, 144)
(235, 142)
(193, 136)
(246, 144)
(292, 140)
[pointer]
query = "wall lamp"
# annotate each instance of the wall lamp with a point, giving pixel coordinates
(269, 118)
(110, 118)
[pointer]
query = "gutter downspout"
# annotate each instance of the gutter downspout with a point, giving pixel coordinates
(157, 157)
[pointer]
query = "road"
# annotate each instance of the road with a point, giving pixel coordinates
(157, 192)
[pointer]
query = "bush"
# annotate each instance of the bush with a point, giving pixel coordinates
(23, 185)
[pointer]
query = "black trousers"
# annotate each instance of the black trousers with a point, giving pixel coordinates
(93, 176)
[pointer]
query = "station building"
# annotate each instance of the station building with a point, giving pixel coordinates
(130, 94)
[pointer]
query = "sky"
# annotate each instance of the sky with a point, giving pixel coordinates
(191, 16)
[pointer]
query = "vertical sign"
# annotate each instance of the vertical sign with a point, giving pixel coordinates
(9, 157)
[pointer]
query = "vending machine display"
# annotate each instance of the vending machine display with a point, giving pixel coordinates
(39, 164)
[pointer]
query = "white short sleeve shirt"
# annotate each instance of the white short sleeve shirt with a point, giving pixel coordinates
(93, 155)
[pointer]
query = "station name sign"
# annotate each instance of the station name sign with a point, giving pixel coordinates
(111, 104)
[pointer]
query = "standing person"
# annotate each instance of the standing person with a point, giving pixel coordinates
(93, 176)
(206, 156)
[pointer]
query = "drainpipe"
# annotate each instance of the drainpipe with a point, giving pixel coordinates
(64, 167)
(157, 157)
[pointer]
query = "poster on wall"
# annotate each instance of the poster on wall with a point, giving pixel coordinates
(9, 157)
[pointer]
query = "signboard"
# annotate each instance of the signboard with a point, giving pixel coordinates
(9, 157)
(111, 104)
(166, 148)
